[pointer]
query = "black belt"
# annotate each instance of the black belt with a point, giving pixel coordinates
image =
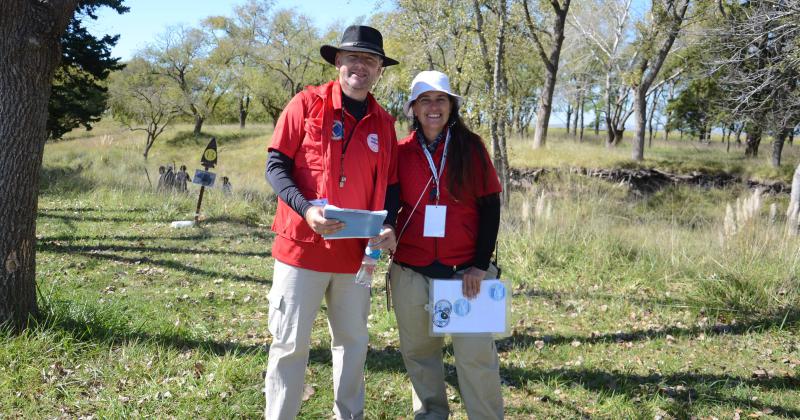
(437, 270)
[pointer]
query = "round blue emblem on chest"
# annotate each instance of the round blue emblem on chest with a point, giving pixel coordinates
(338, 130)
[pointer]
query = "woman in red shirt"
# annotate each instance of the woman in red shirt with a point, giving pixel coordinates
(449, 218)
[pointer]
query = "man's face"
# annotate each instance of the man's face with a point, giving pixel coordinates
(358, 71)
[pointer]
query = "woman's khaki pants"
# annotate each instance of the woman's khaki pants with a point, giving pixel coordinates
(476, 356)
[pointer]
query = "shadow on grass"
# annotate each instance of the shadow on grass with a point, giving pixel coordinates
(684, 388)
(95, 209)
(53, 246)
(788, 319)
(173, 265)
(70, 218)
(90, 325)
(145, 218)
(197, 235)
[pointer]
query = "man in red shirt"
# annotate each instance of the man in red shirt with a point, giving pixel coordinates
(332, 144)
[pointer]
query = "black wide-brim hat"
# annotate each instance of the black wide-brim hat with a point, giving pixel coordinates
(358, 38)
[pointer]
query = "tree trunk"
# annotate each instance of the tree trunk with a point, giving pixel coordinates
(244, 106)
(777, 147)
(575, 118)
(739, 135)
(793, 211)
(544, 110)
(651, 116)
(198, 124)
(499, 110)
(551, 67)
(580, 137)
(569, 117)
(596, 122)
(640, 115)
(609, 133)
(30, 51)
(728, 142)
(752, 140)
(151, 138)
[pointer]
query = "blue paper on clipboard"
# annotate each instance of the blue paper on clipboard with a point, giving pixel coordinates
(357, 223)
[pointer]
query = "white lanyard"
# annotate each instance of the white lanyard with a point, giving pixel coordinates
(437, 176)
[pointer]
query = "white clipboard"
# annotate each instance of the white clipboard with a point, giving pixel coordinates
(453, 314)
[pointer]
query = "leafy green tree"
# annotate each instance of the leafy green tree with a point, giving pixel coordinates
(243, 35)
(287, 61)
(78, 94)
(694, 110)
(141, 100)
(184, 56)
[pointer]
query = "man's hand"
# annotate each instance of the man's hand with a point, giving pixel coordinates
(471, 282)
(385, 240)
(319, 224)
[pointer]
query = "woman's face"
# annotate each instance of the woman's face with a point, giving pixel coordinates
(432, 109)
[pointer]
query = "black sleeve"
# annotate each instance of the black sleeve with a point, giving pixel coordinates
(392, 204)
(488, 225)
(279, 175)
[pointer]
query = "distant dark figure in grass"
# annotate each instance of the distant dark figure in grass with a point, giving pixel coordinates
(227, 188)
(169, 179)
(181, 180)
(162, 170)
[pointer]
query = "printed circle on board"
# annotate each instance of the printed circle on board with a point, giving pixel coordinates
(441, 318)
(461, 307)
(497, 291)
(210, 154)
(443, 306)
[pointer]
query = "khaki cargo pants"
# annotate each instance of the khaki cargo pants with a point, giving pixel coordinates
(294, 301)
(477, 365)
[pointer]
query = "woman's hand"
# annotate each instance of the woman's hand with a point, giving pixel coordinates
(385, 240)
(471, 282)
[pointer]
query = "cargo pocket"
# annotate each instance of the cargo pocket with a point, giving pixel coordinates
(277, 315)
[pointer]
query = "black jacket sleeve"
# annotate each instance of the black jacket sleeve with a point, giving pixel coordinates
(488, 225)
(392, 204)
(279, 174)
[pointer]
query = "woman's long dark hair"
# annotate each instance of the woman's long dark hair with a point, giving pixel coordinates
(466, 148)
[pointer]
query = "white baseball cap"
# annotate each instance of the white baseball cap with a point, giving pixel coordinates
(426, 81)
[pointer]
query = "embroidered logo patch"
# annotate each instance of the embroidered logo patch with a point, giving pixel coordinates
(372, 142)
(338, 130)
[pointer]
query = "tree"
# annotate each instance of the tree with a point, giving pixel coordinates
(494, 76)
(140, 99)
(29, 55)
(287, 60)
(242, 38)
(694, 109)
(654, 45)
(78, 94)
(755, 49)
(607, 27)
(183, 55)
(550, 60)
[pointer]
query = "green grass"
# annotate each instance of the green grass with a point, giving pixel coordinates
(624, 306)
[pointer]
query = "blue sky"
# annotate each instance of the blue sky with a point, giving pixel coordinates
(148, 18)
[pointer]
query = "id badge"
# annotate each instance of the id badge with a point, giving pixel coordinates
(434, 221)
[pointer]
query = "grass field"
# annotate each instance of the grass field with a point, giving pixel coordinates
(624, 306)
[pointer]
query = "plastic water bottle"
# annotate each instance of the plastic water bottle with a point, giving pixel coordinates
(368, 263)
